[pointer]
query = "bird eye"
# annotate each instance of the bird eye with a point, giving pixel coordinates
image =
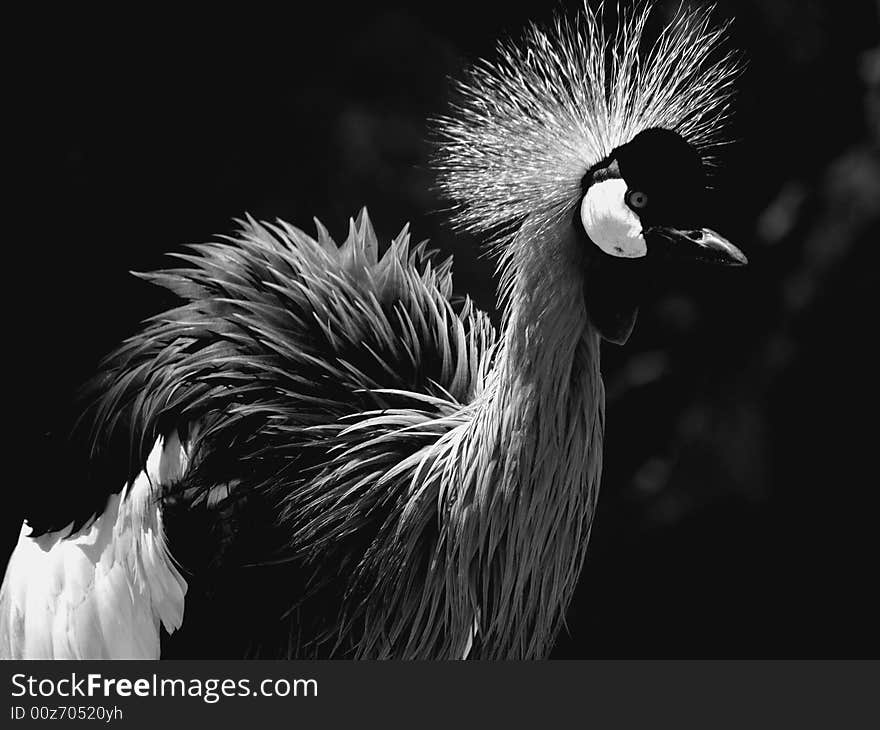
(636, 199)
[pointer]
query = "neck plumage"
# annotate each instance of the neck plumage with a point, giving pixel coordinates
(541, 432)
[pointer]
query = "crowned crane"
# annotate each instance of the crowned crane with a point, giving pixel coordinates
(362, 466)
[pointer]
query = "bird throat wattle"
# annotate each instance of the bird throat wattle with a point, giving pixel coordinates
(612, 291)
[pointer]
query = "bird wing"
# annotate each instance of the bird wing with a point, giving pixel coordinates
(310, 382)
(102, 591)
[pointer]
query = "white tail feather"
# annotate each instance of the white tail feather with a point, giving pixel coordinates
(102, 592)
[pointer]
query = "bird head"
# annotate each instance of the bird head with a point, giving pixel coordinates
(644, 204)
(590, 148)
(645, 201)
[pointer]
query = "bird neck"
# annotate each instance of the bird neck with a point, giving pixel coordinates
(542, 433)
(546, 329)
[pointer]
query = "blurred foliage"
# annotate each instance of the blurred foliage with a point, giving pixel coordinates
(739, 494)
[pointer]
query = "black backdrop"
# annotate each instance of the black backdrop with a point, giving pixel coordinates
(739, 504)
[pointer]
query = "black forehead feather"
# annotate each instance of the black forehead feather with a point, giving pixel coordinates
(657, 159)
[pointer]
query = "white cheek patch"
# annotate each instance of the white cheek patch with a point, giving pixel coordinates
(609, 223)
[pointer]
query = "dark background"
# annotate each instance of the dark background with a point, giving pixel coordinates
(739, 506)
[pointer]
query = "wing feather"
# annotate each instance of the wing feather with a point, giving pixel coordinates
(101, 592)
(321, 377)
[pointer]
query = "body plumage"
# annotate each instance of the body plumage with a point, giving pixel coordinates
(348, 460)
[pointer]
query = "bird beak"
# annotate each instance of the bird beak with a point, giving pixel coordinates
(699, 245)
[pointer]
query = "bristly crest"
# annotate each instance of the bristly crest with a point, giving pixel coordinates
(528, 125)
